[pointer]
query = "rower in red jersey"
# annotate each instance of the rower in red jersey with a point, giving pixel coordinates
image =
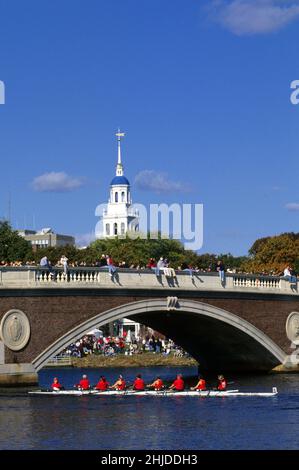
(138, 383)
(102, 384)
(201, 384)
(84, 383)
(157, 384)
(56, 385)
(120, 384)
(222, 383)
(178, 384)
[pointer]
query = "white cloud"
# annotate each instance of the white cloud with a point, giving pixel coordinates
(150, 180)
(55, 182)
(292, 206)
(84, 239)
(248, 17)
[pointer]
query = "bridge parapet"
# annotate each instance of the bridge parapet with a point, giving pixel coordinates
(261, 282)
(82, 277)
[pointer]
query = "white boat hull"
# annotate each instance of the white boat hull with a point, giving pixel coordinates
(153, 393)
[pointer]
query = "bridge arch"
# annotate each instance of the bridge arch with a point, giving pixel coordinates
(217, 338)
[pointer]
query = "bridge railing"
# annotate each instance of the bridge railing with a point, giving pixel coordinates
(261, 282)
(143, 278)
(60, 361)
(74, 275)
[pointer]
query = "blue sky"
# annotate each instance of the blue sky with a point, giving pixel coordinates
(201, 88)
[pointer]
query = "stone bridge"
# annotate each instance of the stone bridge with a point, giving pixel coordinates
(249, 323)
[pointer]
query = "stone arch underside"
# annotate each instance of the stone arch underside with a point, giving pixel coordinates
(218, 339)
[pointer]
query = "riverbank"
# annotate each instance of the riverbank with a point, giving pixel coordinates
(142, 360)
(136, 360)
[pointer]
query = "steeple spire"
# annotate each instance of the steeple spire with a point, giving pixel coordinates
(119, 166)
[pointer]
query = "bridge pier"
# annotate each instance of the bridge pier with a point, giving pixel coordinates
(15, 375)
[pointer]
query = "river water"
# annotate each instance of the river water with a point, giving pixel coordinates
(168, 423)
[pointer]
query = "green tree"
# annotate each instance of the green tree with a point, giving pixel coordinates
(13, 247)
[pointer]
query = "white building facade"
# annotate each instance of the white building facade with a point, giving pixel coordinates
(120, 217)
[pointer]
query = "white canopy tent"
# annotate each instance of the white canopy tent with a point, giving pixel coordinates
(95, 332)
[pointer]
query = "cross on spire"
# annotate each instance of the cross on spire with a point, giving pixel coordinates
(119, 166)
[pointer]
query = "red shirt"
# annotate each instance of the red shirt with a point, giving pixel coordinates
(121, 385)
(102, 385)
(179, 384)
(56, 385)
(158, 384)
(201, 385)
(222, 384)
(152, 264)
(139, 384)
(84, 384)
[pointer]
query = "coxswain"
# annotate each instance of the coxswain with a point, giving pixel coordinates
(201, 384)
(56, 385)
(157, 384)
(222, 383)
(84, 383)
(102, 384)
(120, 384)
(138, 383)
(178, 384)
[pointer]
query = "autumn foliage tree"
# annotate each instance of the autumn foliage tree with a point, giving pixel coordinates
(273, 254)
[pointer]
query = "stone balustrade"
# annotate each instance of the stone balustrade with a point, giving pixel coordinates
(35, 277)
(261, 282)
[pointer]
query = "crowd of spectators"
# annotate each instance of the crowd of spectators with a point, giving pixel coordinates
(111, 345)
(106, 262)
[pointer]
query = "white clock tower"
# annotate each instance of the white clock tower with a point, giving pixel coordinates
(120, 217)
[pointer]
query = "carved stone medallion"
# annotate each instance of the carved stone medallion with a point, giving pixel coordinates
(292, 327)
(15, 330)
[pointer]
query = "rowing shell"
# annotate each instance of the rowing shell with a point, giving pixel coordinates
(160, 393)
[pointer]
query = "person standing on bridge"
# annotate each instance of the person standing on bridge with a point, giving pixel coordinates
(103, 261)
(63, 261)
(152, 264)
(110, 264)
(45, 263)
(288, 274)
(221, 269)
(160, 266)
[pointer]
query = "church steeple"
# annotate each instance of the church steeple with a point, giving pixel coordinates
(119, 166)
(120, 216)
